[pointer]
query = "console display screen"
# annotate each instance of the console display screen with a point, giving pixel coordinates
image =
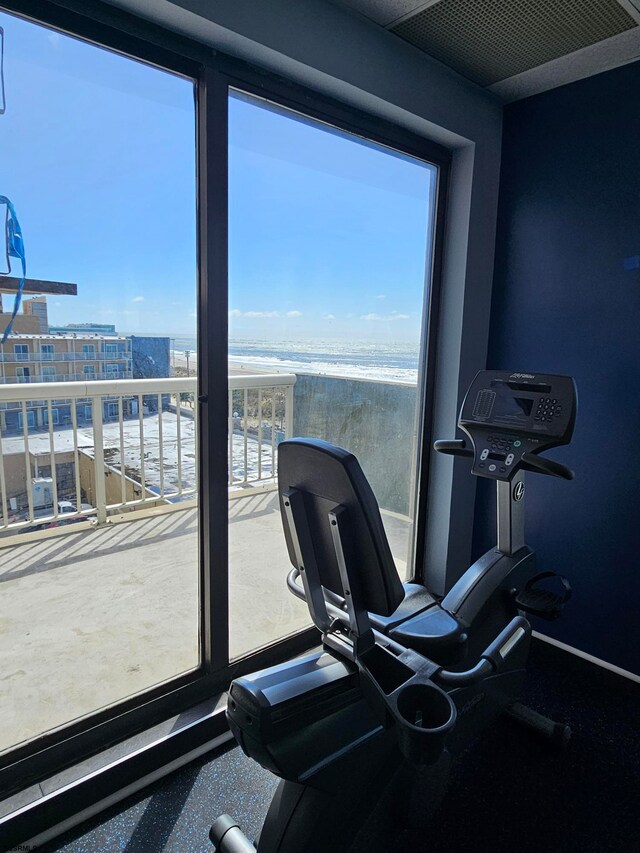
(536, 387)
(512, 407)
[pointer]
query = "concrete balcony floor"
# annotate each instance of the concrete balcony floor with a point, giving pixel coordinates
(94, 616)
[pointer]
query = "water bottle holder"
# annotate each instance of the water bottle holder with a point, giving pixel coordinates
(400, 689)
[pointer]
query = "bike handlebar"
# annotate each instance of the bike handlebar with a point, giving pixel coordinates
(529, 462)
(491, 660)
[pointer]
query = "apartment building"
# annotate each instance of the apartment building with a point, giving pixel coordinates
(26, 358)
(61, 358)
(37, 307)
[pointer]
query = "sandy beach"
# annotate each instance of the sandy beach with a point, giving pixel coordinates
(179, 361)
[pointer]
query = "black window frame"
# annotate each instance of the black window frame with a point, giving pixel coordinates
(215, 74)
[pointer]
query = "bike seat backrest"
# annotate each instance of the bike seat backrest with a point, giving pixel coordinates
(329, 477)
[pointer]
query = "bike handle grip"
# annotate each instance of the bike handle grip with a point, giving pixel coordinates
(452, 447)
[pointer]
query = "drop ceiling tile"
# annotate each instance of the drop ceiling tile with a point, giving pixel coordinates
(491, 40)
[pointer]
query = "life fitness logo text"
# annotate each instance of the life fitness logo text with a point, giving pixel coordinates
(518, 491)
(522, 376)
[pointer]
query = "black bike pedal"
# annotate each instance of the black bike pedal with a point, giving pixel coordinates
(543, 602)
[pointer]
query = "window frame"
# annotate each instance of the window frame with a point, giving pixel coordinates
(55, 417)
(214, 75)
(31, 419)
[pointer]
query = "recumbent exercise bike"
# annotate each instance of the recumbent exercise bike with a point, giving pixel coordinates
(404, 678)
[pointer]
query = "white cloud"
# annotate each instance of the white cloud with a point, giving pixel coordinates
(254, 315)
(381, 296)
(385, 317)
(138, 299)
(329, 316)
(292, 314)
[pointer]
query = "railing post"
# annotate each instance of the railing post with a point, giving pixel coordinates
(98, 461)
(288, 412)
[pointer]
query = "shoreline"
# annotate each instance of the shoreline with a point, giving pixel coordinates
(239, 365)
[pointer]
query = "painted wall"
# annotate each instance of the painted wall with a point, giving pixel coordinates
(567, 300)
(113, 484)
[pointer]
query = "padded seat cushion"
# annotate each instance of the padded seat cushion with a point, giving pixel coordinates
(417, 599)
(435, 633)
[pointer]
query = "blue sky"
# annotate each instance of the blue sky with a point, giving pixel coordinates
(97, 152)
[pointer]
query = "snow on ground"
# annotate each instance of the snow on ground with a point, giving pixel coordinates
(63, 441)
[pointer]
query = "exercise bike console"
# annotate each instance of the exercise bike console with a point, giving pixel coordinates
(511, 417)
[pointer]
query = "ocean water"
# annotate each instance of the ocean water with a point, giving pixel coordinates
(397, 362)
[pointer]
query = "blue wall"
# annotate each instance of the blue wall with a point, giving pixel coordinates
(567, 300)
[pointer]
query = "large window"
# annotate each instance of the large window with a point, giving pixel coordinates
(102, 178)
(168, 571)
(329, 264)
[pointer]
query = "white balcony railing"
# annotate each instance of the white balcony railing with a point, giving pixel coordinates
(66, 377)
(37, 356)
(71, 451)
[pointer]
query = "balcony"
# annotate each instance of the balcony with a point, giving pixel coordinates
(125, 373)
(99, 536)
(37, 356)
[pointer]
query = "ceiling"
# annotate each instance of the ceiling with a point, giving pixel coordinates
(514, 48)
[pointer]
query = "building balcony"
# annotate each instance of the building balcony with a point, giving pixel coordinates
(125, 373)
(99, 536)
(38, 357)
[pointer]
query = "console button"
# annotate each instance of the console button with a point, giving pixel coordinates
(484, 453)
(492, 467)
(509, 459)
